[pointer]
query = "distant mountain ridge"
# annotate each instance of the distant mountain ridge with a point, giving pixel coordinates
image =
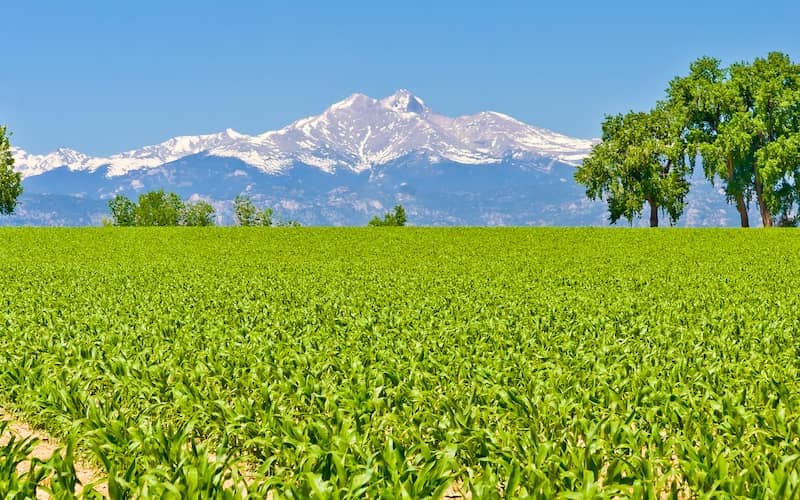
(354, 160)
(355, 134)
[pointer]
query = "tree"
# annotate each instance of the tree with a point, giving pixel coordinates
(712, 111)
(394, 218)
(400, 218)
(770, 88)
(199, 213)
(641, 159)
(244, 211)
(123, 211)
(158, 208)
(10, 181)
(247, 214)
(744, 122)
(263, 217)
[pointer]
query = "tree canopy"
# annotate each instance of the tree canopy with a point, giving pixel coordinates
(712, 110)
(247, 214)
(641, 160)
(123, 211)
(157, 208)
(198, 213)
(10, 181)
(741, 122)
(397, 217)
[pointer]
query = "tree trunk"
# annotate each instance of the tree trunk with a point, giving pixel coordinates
(741, 206)
(742, 209)
(766, 216)
(653, 213)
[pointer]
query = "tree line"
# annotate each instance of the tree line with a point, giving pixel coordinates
(396, 217)
(740, 122)
(157, 208)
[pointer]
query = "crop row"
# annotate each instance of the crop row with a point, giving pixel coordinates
(407, 363)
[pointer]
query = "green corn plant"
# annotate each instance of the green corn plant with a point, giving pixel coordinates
(21, 476)
(342, 363)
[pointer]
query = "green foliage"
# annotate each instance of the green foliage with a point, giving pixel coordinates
(123, 211)
(641, 160)
(10, 181)
(400, 217)
(263, 217)
(198, 213)
(771, 87)
(288, 223)
(24, 476)
(247, 214)
(744, 122)
(244, 211)
(158, 208)
(713, 110)
(351, 363)
(14, 454)
(397, 217)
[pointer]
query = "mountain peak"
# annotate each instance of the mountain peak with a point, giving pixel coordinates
(66, 151)
(404, 102)
(354, 100)
(232, 134)
(356, 133)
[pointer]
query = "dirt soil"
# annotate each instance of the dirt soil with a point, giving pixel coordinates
(44, 449)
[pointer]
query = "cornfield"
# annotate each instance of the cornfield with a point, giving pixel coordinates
(403, 362)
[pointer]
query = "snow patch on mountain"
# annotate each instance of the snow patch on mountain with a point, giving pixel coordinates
(355, 134)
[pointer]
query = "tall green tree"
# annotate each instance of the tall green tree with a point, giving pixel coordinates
(713, 110)
(123, 210)
(743, 123)
(770, 88)
(198, 213)
(640, 161)
(10, 181)
(158, 208)
(400, 217)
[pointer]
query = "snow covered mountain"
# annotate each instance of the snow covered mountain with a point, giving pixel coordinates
(356, 159)
(355, 134)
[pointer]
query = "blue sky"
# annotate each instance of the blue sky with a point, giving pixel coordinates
(103, 77)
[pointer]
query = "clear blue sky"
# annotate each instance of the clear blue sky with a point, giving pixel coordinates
(102, 77)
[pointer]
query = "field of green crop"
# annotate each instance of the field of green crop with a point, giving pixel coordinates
(405, 363)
